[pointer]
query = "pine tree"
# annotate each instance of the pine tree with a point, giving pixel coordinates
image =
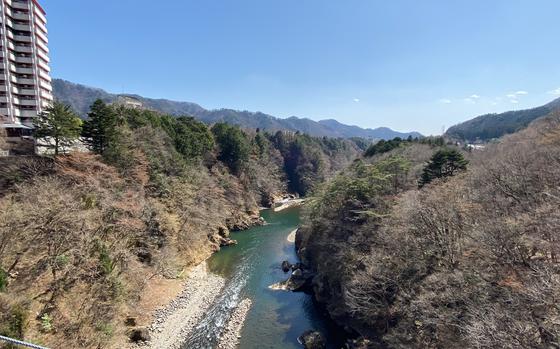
(444, 163)
(192, 138)
(233, 145)
(100, 128)
(58, 127)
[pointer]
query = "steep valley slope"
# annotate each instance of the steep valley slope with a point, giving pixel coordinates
(91, 244)
(470, 261)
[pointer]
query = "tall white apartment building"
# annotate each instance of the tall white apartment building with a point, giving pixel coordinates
(25, 82)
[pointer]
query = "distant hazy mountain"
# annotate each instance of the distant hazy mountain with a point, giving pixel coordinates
(80, 97)
(489, 126)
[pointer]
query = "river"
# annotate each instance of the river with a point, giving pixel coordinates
(276, 318)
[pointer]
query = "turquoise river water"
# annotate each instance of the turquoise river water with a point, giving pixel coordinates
(276, 318)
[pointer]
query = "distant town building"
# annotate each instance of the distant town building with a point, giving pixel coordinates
(129, 102)
(476, 146)
(25, 82)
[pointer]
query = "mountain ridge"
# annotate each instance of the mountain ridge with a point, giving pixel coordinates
(489, 126)
(80, 97)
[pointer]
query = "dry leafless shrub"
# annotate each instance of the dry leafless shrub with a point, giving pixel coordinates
(470, 262)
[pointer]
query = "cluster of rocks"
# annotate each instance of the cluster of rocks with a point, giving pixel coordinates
(312, 340)
(229, 339)
(300, 279)
(315, 340)
(287, 266)
(289, 204)
(271, 200)
(240, 222)
(221, 238)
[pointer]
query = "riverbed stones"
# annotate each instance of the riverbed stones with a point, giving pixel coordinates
(176, 321)
(229, 339)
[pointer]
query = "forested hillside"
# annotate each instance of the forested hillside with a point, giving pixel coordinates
(490, 126)
(80, 97)
(89, 241)
(422, 246)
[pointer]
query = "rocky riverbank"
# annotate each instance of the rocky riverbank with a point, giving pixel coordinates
(232, 332)
(288, 203)
(173, 323)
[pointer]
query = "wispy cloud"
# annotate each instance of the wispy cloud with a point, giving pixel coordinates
(472, 99)
(555, 92)
(357, 100)
(514, 96)
(517, 94)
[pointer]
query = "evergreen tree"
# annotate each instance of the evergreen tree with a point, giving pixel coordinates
(444, 163)
(100, 128)
(57, 127)
(192, 138)
(262, 145)
(234, 147)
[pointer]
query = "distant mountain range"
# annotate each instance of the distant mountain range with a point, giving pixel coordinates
(80, 97)
(490, 126)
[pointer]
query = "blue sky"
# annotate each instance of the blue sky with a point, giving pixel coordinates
(405, 64)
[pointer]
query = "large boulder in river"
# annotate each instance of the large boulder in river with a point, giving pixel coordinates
(312, 340)
(298, 266)
(286, 266)
(296, 284)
